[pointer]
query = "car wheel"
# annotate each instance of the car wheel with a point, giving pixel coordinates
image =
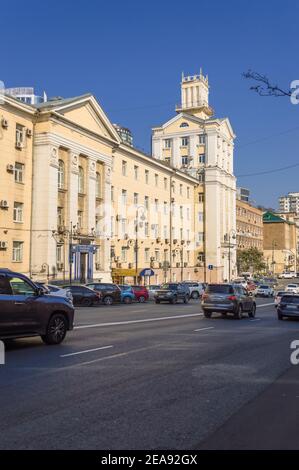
(251, 314)
(87, 302)
(238, 313)
(108, 300)
(207, 314)
(279, 316)
(186, 299)
(141, 299)
(174, 300)
(195, 295)
(56, 329)
(127, 300)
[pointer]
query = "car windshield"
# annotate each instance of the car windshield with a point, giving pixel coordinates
(264, 287)
(280, 294)
(219, 289)
(290, 299)
(292, 285)
(169, 286)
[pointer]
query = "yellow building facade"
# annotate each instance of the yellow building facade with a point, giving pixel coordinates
(249, 226)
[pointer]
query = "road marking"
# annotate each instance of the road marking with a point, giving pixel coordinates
(265, 305)
(208, 328)
(137, 321)
(255, 319)
(86, 351)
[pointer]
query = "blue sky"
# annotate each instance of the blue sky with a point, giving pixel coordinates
(130, 55)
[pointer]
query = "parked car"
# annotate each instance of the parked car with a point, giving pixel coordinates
(265, 291)
(286, 275)
(83, 295)
(196, 289)
(151, 291)
(227, 298)
(240, 282)
(110, 293)
(288, 306)
(172, 292)
(279, 295)
(127, 294)
(55, 290)
(141, 293)
(294, 288)
(25, 310)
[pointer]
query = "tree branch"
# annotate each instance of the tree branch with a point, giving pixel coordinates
(265, 88)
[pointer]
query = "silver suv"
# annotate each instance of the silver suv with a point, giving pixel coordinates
(227, 298)
(196, 289)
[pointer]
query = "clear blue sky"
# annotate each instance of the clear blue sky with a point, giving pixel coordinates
(130, 55)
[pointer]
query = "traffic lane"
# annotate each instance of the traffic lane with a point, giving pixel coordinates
(188, 384)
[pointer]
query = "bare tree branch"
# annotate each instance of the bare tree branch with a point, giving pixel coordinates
(265, 88)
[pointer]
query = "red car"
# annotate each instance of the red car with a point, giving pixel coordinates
(141, 293)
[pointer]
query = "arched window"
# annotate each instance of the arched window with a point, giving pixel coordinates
(60, 174)
(184, 124)
(81, 180)
(98, 184)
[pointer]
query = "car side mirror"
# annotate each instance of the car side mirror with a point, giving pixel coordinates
(39, 291)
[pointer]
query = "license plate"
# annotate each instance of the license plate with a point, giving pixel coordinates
(291, 307)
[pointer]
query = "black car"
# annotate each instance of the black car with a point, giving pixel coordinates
(288, 306)
(25, 310)
(172, 292)
(227, 298)
(110, 293)
(84, 296)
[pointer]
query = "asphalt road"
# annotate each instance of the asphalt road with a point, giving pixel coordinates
(146, 376)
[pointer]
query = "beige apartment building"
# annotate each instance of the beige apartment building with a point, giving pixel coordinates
(249, 226)
(16, 139)
(280, 243)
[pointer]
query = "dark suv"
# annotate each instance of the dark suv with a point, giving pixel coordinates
(172, 292)
(25, 310)
(227, 298)
(110, 292)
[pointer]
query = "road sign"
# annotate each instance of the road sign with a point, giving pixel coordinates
(210, 267)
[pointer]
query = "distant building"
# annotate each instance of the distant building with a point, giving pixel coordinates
(249, 221)
(243, 194)
(289, 203)
(26, 94)
(125, 134)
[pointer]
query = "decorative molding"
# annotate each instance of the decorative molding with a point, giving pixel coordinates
(54, 157)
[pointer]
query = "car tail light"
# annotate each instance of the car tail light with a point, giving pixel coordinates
(232, 297)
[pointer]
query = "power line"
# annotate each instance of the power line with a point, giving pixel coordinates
(266, 172)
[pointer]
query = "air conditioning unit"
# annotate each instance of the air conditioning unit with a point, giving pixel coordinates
(19, 145)
(119, 265)
(167, 240)
(4, 204)
(178, 265)
(10, 168)
(175, 241)
(130, 265)
(29, 133)
(59, 266)
(98, 266)
(185, 265)
(4, 123)
(126, 236)
(152, 258)
(3, 245)
(172, 199)
(158, 240)
(182, 242)
(118, 218)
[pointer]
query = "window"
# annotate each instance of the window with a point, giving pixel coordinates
(157, 255)
(200, 216)
(201, 177)
(124, 197)
(188, 234)
(184, 124)
(165, 231)
(201, 257)
(146, 202)
(60, 174)
(59, 216)
(146, 232)
(165, 183)
(155, 230)
(124, 254)
(146, 255)
(200, 237)
(165, 208)
(202, 139)
(146, 173)
(18, 212)
(19, 172)
(181, 190)
(81, 180)
(112, 226)
(188, 213)
(201, 158)
(112, 193)
(181, 234)
(59, 253)
(201, 197)
(156, 205)
(98, 185)
(188, 192)
(167, 143)
(80, 219)
(188, 256)
(136, 168)
(185, 160)
(181, 212)
(135, 199)
(20, 135)
(17, 251)
(123, 227)
(124, 168)
(21, 287)
(156, 179)
(184, 141)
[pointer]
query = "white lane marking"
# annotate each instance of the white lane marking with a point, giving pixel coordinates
(138, 321)
(86, 351)
(207, 328)
(265, 305)
(255, 319)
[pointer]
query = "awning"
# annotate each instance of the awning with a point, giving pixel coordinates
(146, 272)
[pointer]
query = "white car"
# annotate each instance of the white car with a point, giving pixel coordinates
(56, 290)
(278, 296)
(152, 290)
(286, 275)
(265, 291)
(294, 288)
(196, 289)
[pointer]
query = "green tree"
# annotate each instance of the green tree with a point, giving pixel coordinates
(250, 260)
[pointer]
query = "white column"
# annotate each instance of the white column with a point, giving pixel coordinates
(176, 154)
(106, 227)
(73, 189)
(91, 196)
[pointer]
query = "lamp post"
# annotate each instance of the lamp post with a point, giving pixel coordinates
(136, 238)
(274, 244)
(232, 235)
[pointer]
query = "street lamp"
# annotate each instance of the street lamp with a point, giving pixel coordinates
(232, 235)
(136, 237)
(274, 244)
